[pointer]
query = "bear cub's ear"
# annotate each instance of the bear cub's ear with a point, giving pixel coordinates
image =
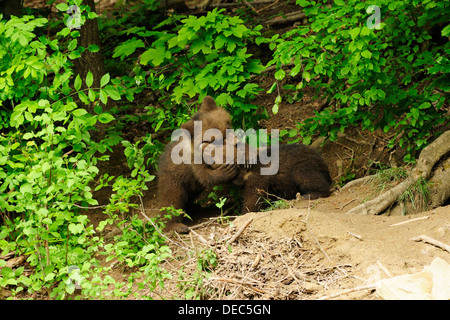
(208, 104)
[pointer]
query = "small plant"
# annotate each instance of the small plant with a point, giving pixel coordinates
(277, 204)
(388, 178)
(193, 286)
(418, 195)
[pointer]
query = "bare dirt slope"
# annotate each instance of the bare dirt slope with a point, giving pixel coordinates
(361, 241)
(315, 250)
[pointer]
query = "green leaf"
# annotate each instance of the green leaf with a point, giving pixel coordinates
(156, 56)
(74, 55)
(366, 54)
(127, 48)
(103, 97)
(345, 70)
(16, 118)
(340, 3)
(92, 15)
(354, 33)
(62, 6)
(93, 48)
(446, 31)
(76, 228)
(91, 95)
(89, 79)
(28, 136)
(77, 83)
(105, 118)
(307, 76)
(104, 81)
(272, 88)
(425, 105)
(112, 92)
(280, 74)
(83, 97)
(415, 113)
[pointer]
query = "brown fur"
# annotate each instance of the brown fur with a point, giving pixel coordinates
(301, 170)
(179, 184)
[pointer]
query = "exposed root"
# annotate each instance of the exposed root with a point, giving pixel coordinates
(427, 159)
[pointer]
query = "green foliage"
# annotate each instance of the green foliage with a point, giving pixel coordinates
(49, 166)
(205, 55)
(389, 77)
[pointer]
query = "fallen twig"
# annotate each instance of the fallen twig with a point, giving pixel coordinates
(357, 236)
(238, 233)
(337, 294)
(385, 270)
(408, 221)
(347, 203)
(239, 282)
(234, 4)
(432, 241)
(200, 237)
(267, 7)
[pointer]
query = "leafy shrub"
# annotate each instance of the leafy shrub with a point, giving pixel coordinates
(48, 163)
(388, 77)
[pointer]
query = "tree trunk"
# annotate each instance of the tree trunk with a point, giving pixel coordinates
(11, 8)
(91, 61)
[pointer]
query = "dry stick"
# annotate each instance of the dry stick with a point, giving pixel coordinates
(432, 241)
(200, 237)
(256, 261)
(347, 203)
(225, 5)
(384, 269)
(267, 7)
(238, 233)
(337, 294)
(408, 221)
(291, 273)
(357, 236)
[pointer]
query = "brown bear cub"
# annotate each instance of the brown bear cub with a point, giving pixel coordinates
(300, 170)
(180, 182)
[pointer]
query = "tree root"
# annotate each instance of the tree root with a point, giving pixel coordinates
(427, 159)
(441, 184)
